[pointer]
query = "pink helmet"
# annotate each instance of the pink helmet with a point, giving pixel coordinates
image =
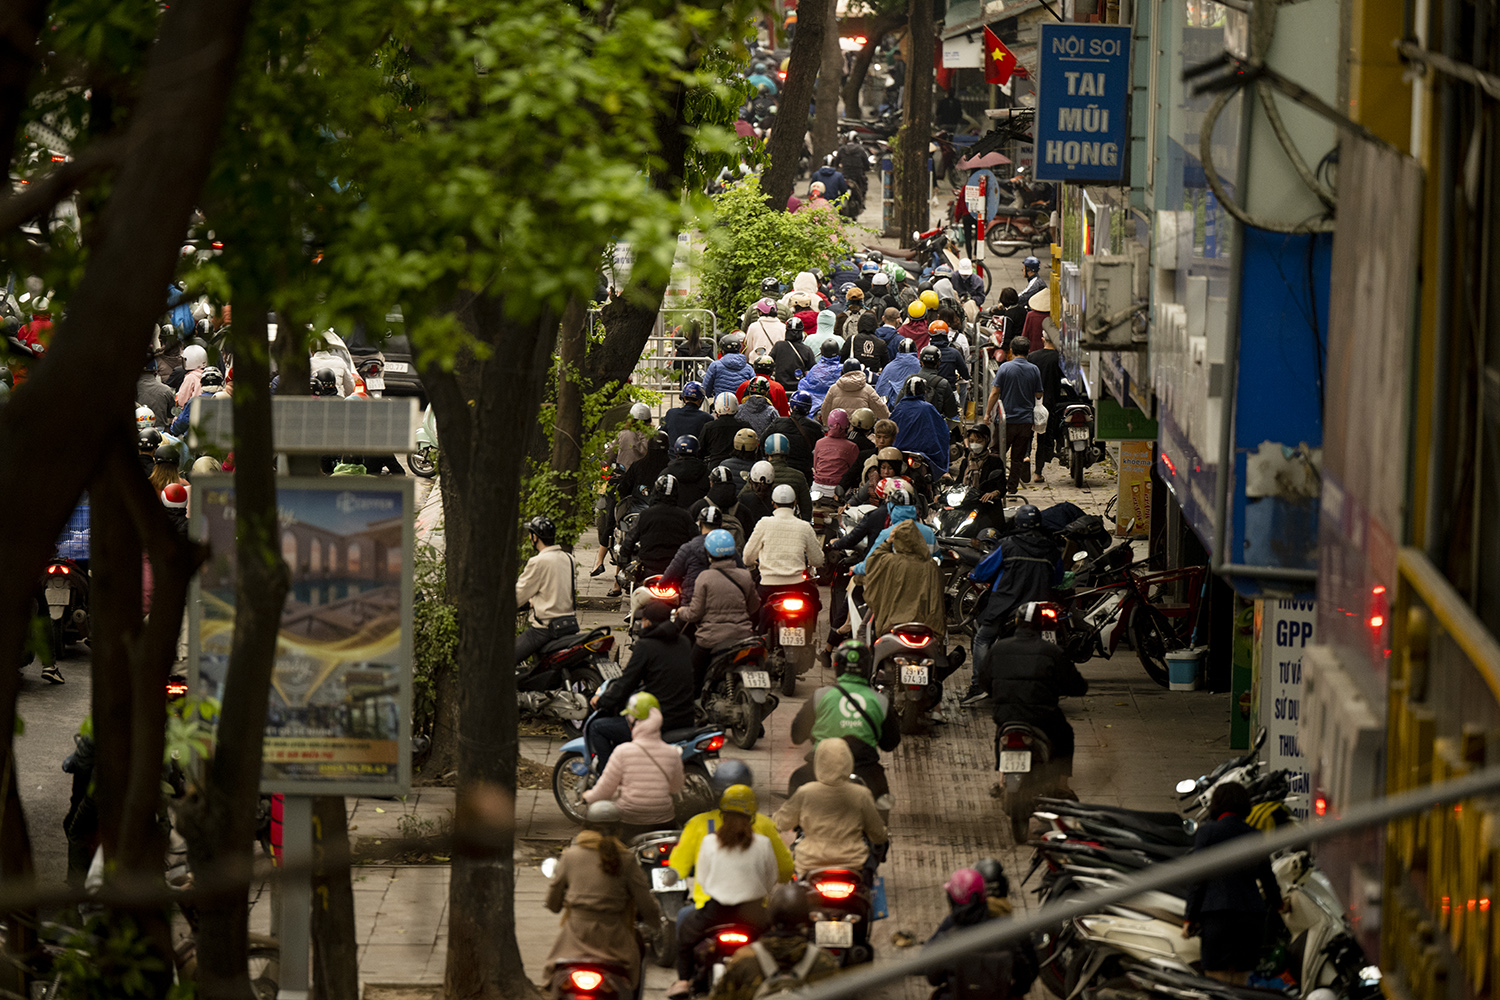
(838, 423)
(965, 886)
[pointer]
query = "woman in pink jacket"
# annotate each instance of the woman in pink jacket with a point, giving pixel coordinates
(643, 775)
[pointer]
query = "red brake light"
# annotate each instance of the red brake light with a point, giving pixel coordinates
(177, 689)
(586, 979)
(666, 593)
(1320, 806)
(1049, 612)
(712, 743)
(914, 641)
(835, 889)
(52, 570)
(733, 937)
(793, 604)
(1015, 741)
(217, 244)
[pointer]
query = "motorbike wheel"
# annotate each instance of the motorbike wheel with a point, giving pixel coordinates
(584, 681)
(909, 714)
(1077, 468)
(565, 787)
(1004, 240)
(697, 793)
(798, 663)
(745, 729)
(967, 607)
(1014, 804)
(423, 462)
(1153, 637)
(663, 943)
(788, 683)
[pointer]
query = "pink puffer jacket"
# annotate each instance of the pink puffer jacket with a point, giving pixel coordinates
(642, 775)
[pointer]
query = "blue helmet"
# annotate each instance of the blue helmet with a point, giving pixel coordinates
(692, 392)
(685, 445)
(869, 267)
(777, 444)
(731, 772)
(719, 543)
(1031, 264)
(801, 402)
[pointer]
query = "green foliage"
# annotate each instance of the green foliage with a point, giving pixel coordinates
(751, 241)
(190, 732)
(111, 959)
(434, 637)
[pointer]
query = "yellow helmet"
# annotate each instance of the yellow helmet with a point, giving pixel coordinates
(916, 310)
(929, 299)
(738, 799)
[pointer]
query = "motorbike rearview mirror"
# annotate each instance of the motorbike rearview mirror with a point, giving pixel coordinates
(549, 867)
(1079, 556)
(1260, 738)
(1186, 785)
(1189, 826)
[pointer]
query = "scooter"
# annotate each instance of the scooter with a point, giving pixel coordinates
(652, 851)
(423, 461)
(712, 954)
(1078, 422)
(65, 594)
(905, 661)
(565, 675)
(790, 619)
(1023, 756)
(842, 904)
(594, 978)
(737, 691)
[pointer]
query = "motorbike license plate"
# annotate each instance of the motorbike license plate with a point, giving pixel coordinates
(1078, 433)
(401, 367)
(793, 636)
(914, 675)
(755, 678)
(1050, 636)
(833, 934)
(374, 382)
(609, 670)
(659, 881)
(59, 594)
(1015, 761)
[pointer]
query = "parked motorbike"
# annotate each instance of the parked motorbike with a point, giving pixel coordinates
(842, 904)
(566, 673)
(790, 620)
(1078, 424)
(423, 461)
(737, 691)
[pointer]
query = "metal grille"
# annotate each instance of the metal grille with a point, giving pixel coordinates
(312, 425)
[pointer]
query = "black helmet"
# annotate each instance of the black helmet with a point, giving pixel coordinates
(211, 377)
(325, 382)
(852, 365)
(666, 487)
(148, 440)
(770, 286)
(542, 529)
(930, 356)
(924, 286)
(996, 884)
(723, 474)
(916, 387)
(732, 343)
(764, 365)
(795, 330)
(711, 515)
(829, 348)
(788, 908)
(166, 455)
(906, 346)
(1028, 517)
(852, 657)
(731, 772)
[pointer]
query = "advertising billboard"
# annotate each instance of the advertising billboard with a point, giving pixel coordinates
(1082, 103)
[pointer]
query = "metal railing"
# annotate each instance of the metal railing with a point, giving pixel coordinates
(659, 369)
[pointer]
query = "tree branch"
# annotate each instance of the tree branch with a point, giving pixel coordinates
(42, 194)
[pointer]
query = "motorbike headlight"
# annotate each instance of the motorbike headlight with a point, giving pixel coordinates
(932, 519)
(955, 498)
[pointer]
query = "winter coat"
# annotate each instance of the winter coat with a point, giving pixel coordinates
(739, 464)
(724, 497)
(763, 334)
(832, 457)
(939, 392)
(778, 396)
(802, 433)
(832, 181)
(916, 329)
(598, 910)
(821, 379)
(743, 976)
(992, 973)
(1032, 328)
(750, 510)
(660, 662)
(153, 394)
(685, 419)
(1027, 675)
(690, 560)
(782, 546)
(855, 475)
(849, 393)
(783, 472)
(758, 412)
(627, 447)
(692, 479)
(723, 604)
(1231, 892)
(642, 775)
(659, 532)
(726, 374)
(1022, 568)
(922, 428)
(870, 349)
(716, 443)
(644, 471)
(898, 514)
(793, 360)
(952, 366)
(894, 375)
(835, 815)
(903, 584)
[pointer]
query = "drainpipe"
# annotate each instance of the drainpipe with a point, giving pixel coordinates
(1432, 526)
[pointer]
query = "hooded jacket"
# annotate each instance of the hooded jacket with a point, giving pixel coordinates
(832, 457)
(658, 533)
(716, 443)
(598, 910)
(153, 394)
(832, 181)
(890, 335)
(726, 374)
(723, 603)
(685, 419)
(903, 584)
(952, 365)
(739, 464)
(923, 429)
(899, 514)
(1000, 973)
(1027, 676)
(868, 346)
(793, 360)
(660, 662)
(1022, 568)
(851, 391)
(916, 329)
(821, 379)
(835, 815)
(643, 775)
(757, 412)
(644, 470)
(692, 479)
(894, 375)
(778, 395)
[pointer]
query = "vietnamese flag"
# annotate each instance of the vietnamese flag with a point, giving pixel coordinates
(999, 62)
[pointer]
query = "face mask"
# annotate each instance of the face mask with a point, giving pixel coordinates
(976, 446)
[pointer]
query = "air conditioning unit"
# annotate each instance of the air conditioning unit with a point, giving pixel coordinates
(1341, 734)
(1109, 318)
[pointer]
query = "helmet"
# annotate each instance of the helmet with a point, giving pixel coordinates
(174, 496)
(666, 486)
(898, 495)
(1031, 264)
(167, 455)
(869, 267)
(746, 439)
(964, 886)
(931, 356)
(738, 799)
(816, 187)
(731, 772)
(852, 657)
(862, 419)
(603, 813)
(925, 285)
(711, 515)
(995, 882)
(325, 382)
(719, 543)
(213, 377)
(890, 453)
(542, 528)
(777, 444)
(732, 343)
(884, 487)
(916, 387)
(687, 445)
(795, 329)
(640, 705)
(936, 327)
(852, 365)
(940, 272)
(875, 255)
(788, 908)
(763, 365)
(881, 279)
(194, 357)
(906, 346)
(1028, 517)
(722, 474)
(148, 440)
(759, 386)
(762, 472)
(898, 273)
(692, 392)
(829, 348)
(765, 306)
(725, 404)
(770, 286)
(929, 299)
(144, 417)
(917, 309)
(640, 412)
(801, 401)
(783, 496)
(838, 423)
(965, 267)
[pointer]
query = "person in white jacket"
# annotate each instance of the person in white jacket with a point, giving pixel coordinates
(784, 547)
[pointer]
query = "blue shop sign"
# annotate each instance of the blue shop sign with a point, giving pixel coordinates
(1082, 102)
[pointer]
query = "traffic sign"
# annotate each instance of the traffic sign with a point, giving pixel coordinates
(1082, 102)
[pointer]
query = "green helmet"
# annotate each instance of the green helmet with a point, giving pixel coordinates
(898, 274)
(853, 657)
(640, 705)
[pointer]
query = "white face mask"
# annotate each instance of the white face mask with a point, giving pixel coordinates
(976, 446)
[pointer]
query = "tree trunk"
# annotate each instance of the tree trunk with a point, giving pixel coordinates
(785, 146)
(16, 868)
(20, 25)
(912, 209)
(220, 821)
(482, 472)
(825, 129)
(567, 425)
(877, 28)
(335, 952)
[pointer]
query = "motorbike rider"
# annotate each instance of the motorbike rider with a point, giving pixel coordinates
(1023, 568)
(979, 468)
(631, 442)
(755, 499)
(902, 367)
(1027, 676)
(852, 391)
(801, 432)
(600, 890)
(861, 427)
(939, 390)
(547, 584)
(1003, 972)
(783, 546)
(736, 867)
(153, 394)
(833, 455)
(756, 408)
(764, 331)
(854, 162)
(692, 557)
(643, 774)
(778, 452)
(745, 454)
(921, 427)
(647, 469)
(763, 366)
(689, 471)
(838, 819)
(732, 367)
(996, 886)
(783, 951)
(689, 417)
(1034, 281)
(659, 530)
(852, 711)
(951, 363)
(723, 605)
(867, 346)
(791, 356)
(825, 373)
(915, 327)
(716, 441)
(211, 383)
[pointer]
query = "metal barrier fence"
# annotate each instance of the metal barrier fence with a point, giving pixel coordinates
(660, 370)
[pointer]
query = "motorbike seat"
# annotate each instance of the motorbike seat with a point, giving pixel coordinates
(574, 639)
(688, 733)
(1151, 833)
(732, 651)
(1070, 808)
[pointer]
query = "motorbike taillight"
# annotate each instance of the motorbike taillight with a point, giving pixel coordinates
(735, 939)
(913, 640)
(1016, 740)
(586, 979)
(1078, 419)
(835, 888)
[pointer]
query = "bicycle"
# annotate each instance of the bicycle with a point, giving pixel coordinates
(1138, 602)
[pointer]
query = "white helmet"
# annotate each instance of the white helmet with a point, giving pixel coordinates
(641, 412)
(725, 404)
(194, 357)
(783, 496)
(965, 267)
(144, 418)
(762, 472)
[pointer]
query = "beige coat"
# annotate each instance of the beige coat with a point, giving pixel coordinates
(835, 814)
(599, 910)
(849, 393)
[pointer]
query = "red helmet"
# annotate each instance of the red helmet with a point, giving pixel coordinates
(175, 496)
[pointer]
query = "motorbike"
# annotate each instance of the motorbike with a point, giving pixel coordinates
(65, 595)
(825, 519)
(737, 691)
(423, 461)
(591, 979)
(566, 673)
(652, 851)
(1078, 423)
(905, 661)
(712, 954)
(790, 621)
(842, 903)
(1023, 757)
(372, 371)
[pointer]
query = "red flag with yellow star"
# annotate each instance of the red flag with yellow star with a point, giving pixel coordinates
(999, 62)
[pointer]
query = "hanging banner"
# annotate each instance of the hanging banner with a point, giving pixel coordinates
(1082, 102)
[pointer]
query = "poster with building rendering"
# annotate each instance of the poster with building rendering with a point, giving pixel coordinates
(338, 721)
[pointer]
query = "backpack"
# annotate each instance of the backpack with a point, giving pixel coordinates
(775, 979)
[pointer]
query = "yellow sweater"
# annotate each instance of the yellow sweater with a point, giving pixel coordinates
(685, 854)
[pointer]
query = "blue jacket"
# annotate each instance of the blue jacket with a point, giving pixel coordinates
(180, 423)
(922, 429)
(726, 374)
(888, 334)
(179, 311)
(899, 513)
(821, 379)
(834, 187)
(894, 375)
